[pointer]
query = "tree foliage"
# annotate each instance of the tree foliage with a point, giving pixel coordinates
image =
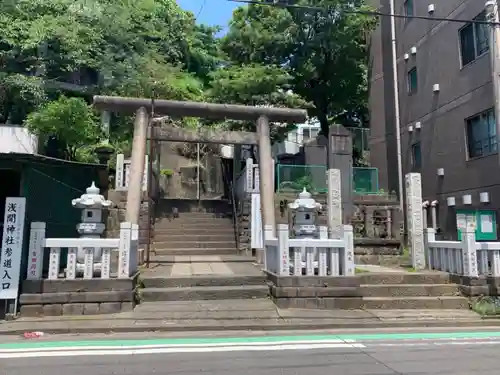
(324, 51)
(69, 121)
(52, 50)
(98, 46)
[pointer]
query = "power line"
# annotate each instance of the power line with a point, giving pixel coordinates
(201, 9)
(364, 12)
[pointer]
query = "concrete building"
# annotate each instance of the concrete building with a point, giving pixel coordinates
(447, 122)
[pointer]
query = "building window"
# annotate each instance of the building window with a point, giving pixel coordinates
(412, 81)
(409, 10)
(306, 134)
(474, 40)
(482, 134)
(416, 156)
(309, 133)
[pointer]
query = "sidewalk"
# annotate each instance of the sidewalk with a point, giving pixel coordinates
(241, 315)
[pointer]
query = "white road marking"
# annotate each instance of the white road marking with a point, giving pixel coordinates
(66, 352)
(431, 343)
(179, 346)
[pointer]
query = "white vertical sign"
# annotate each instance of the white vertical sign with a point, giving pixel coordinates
(35, 256)
(124, 250)
(120, 178)
(127, 166)
(12, 247)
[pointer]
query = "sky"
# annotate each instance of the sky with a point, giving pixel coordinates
(211, 12)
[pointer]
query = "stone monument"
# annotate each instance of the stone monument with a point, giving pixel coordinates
(415, 220)
(92, 205)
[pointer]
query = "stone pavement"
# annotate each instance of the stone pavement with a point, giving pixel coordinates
(379, 269)
(240, 315)
(201, 265)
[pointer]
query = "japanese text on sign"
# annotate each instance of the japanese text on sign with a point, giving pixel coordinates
(10, 259)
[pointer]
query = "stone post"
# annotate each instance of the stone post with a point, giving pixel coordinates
(414, 216)
(334, 203)
(340, 157)
(134, 192)
(469, 251)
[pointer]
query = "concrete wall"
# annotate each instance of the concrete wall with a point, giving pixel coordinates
(464, 92)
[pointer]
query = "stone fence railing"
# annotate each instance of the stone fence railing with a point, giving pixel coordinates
(287, 256)
(86, 257)
(466, 257)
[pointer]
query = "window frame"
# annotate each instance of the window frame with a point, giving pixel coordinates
(414, 165)
(306, 130)
(469, 141)
(409, 4)
(409, 88)
(475, 40)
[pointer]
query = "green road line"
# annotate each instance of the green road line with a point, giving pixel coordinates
(116, 344)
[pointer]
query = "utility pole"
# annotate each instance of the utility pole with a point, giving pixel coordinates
(397, 116)
(491, 8)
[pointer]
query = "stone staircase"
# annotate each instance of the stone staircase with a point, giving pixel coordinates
(195, 257)
(410, 290)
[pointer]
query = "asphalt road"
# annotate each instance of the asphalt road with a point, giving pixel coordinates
(383, 357)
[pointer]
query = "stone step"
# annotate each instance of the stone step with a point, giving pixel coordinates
(375, 303)
(177, 237)
(404, 278)
(188, 231)
(201, 281)
(192, 244)
(195, 251)
(204, 293)
(409, 290)
(202, 258)
(396, 303)
(196, 223)
(166, 206)
(197, 215)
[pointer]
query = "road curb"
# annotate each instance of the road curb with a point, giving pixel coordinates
(253, 327)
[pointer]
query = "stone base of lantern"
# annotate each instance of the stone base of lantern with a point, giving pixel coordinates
(80, 270)
(77, 297)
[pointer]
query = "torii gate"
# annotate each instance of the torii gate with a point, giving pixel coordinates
(261, 115)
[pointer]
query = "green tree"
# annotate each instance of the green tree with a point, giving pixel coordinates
(253, 84)
(84, 47)
(68, 121)
(323, 50)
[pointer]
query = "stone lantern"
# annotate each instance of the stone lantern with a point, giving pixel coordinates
(92, 205)
(305, 210)
(305, 213)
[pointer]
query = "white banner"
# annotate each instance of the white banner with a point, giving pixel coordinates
(12, 247)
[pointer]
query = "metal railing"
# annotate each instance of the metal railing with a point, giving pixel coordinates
(365, 180)
(290, 177)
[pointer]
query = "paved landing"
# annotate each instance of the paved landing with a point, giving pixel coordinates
(202, 265)
(379, 269)
(198, 269)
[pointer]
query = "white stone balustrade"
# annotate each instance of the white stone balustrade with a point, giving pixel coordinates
(285, 256)
(126, 246)
(466, 257)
